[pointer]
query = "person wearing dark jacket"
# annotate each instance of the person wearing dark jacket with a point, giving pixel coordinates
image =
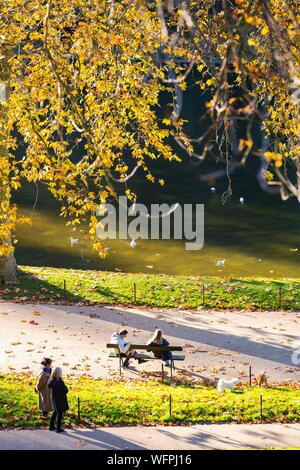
(158, 340)
(59, 400)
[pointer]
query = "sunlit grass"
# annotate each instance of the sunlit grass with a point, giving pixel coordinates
(132, 402)
(46, 284)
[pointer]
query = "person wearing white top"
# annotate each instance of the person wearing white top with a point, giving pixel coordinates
(119, 338)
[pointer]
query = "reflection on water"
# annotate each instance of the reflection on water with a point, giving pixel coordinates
(255, 233)
(257, 238)
(252, 242)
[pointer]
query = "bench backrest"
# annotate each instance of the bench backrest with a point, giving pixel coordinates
(145, 346)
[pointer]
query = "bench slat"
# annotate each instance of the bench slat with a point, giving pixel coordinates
(145, 346)
(175, 357)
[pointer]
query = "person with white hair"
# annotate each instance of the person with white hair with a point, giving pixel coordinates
(59, 400)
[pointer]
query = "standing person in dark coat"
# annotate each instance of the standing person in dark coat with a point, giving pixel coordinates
(59, 399)
(158, 340)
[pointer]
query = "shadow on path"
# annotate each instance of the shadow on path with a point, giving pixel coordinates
(172, 328)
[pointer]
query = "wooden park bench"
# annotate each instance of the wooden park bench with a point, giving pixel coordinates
(146, 356)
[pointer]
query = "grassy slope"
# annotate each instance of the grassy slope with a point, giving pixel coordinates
(46, 284)
(115, 402)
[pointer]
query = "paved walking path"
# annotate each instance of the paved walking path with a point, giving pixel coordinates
(201, 437)
(216, 344)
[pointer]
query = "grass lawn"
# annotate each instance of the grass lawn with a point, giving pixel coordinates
(42, 284)
(130, 402)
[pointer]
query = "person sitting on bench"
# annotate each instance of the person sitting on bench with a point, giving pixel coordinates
(119, 338)
(158, 340)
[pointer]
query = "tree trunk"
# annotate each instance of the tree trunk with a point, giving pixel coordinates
(8, 266)
(8, 270)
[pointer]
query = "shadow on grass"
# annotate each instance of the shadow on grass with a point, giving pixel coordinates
(106, 292)
(35, 289)
(32, 288)
(258, 282)
(238, 391)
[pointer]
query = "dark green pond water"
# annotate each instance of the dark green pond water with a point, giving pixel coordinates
(259, 238)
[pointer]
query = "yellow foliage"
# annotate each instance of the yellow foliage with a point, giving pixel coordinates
(86, 75)
(265, 30)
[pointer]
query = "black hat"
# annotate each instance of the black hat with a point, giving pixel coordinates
(46, 361)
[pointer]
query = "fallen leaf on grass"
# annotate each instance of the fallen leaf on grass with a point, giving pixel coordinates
(241, 373)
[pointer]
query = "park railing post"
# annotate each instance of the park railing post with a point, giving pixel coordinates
(134, 292)
(280, 297)
(250, 376)
(261, 406)
(78, 410)
(65, 289)
(170, 406)
(203, 294)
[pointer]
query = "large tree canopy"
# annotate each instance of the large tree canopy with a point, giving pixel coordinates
(75, 73)
(84, 78)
